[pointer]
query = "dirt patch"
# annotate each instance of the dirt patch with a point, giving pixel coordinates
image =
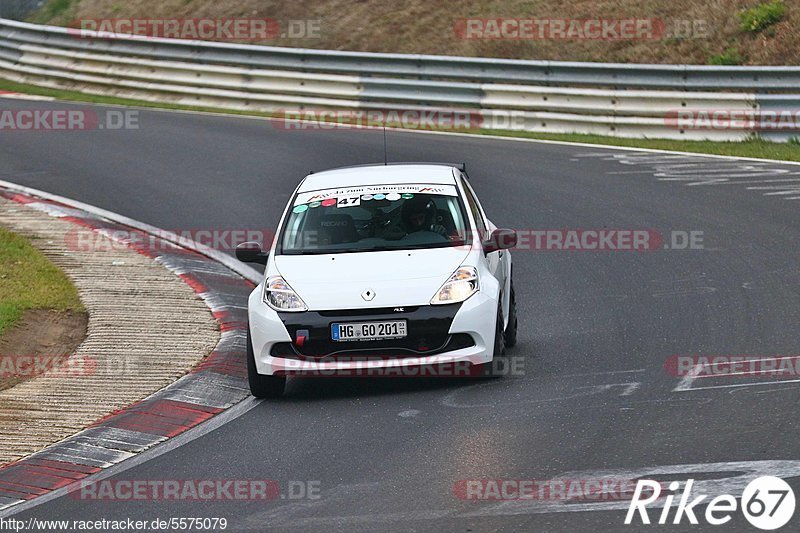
(41, 341)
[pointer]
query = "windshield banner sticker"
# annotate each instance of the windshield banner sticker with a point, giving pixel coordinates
(375, 192)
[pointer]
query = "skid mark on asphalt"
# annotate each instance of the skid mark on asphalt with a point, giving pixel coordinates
(773, 280)
(668, 293)
(770, 282)
(699, 285)
(325, 511)
(765, 371)
(618, 389)
(583, 374)
(709, 478)
(701, 171)
(549, 390)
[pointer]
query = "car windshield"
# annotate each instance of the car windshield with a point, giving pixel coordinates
(374, 218)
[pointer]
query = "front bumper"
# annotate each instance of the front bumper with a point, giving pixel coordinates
(447, 334)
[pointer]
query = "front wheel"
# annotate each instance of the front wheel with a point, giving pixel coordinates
(499, 335)
(262, 386)
(487, 370)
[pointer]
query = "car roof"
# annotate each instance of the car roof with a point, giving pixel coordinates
(378, 174)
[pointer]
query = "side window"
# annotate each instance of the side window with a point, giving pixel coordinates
(476, 211)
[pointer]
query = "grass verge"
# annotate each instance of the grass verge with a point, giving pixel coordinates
(762, 16)
(755, 147)
(28, 280)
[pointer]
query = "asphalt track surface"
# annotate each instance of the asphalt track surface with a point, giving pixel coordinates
(596, 328)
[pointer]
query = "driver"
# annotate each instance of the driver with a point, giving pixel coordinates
(419, 214)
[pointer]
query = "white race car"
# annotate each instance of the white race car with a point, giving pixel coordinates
(379, 267)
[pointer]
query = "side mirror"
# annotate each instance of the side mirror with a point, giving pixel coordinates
(251, 252)
(500, 239)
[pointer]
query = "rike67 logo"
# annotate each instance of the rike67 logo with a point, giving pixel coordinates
(766, 502)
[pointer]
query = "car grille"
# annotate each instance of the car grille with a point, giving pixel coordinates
(428, 334)
(288, 350)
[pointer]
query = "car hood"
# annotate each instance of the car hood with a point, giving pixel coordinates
(397, 277)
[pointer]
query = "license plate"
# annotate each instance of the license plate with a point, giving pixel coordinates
(368, 331)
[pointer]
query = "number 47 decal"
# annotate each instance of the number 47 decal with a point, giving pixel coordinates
(348, 201)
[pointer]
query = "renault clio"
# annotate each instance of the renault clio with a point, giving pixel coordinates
(380, 265)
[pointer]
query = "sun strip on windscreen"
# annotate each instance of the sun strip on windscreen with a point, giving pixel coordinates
(381, 191)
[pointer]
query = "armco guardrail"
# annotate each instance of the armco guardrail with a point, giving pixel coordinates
(666, 101)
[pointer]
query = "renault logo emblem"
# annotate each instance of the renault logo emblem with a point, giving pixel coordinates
(368, 295)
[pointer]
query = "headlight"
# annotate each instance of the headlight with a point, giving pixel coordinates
(461, 285)
(280, 296)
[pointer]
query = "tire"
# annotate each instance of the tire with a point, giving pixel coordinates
(487, 370)
(499, 335)
(262, 386)
(511, 330)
